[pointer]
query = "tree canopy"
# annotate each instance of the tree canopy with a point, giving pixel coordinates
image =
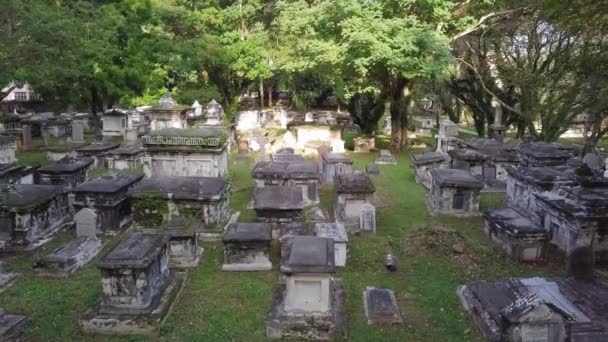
(542, 60)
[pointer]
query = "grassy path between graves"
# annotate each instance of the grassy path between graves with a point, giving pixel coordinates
(435, 254)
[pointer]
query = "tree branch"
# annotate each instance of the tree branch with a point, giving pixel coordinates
(481, 21)
(483, 85)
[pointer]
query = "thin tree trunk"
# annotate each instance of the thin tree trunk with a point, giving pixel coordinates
(261, 93)
(94, 108)
(270, 95)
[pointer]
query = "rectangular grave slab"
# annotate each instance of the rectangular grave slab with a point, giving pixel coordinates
(278, 204)
(321, 326)
(68, 259)
(247, 247)
(385, 157)
(138, 288)
(68, 172)
(521, 239)
(107, 196)
(203, 199)
(30, 216)
(381, 306)
(7, 279)
(11, 326)
(184, 251)
(337, 233)
(537, 309)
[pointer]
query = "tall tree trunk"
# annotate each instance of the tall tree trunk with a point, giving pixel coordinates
(400, 106)
(261, 93)
(270, 95)
(94, 108)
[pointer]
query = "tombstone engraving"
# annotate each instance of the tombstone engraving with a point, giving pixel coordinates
(381, 306)
(86, 223)
(26, 137)
(77, 131)
(367, 221)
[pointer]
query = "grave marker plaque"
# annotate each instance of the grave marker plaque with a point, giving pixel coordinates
(367, 221)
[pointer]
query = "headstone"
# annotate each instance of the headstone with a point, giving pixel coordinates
(308, 117)
(26, 137)
(77, 132)
(367, 221)
(386, 157)
(372, 169)
(381, 306)
(337, 146)
(197, 108)
(86, 223)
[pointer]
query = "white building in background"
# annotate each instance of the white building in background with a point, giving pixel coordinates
(19, 97)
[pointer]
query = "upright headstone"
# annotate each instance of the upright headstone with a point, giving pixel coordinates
(592, 161)
(308, 117)
(86, 223)
(367, 221)
(197, 108)
(26, 137)
(77, 132)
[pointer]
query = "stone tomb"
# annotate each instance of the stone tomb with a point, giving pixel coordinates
(247, 247)
(385, 157)
(68, 172)
(184, 251)
(454, 192)
(448, 133)
(17, 174)
(520, 238)
(193, 152)
(423, 163)
(577, 217)
(337, 233)
(30, 215)
(334, 164)
(303, 175)
(69, 258)
(11, 326)
(138, 288)
(168, 114)
(63, 150)
(542, 154)
(308, 303)
(278, 204)
(537, 309)
(8, 145)
(202, 200)
(97, 151)
(352, 191)
(107, 196)
(381, 306)
(125, 157)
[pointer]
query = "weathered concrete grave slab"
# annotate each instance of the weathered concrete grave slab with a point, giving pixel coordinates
(381, 306)
(7, 279)
(308, 303)
(69, 258)
(521, 239)
(138, 288)
(454, 192)
(68, 172)
(386, 157)
(278, 204)
(11, 326)
(247, 247)
(184, 251)
(337, 233)
(367, 219)
(537, 309)
(351, 192)
(30, 216)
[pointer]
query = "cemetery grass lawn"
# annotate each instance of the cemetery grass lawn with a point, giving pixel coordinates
(224, 306)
